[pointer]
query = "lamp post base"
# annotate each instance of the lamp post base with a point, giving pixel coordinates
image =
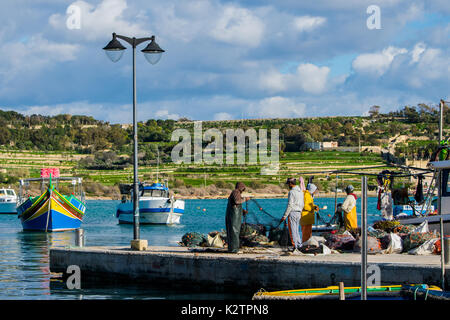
(139, 245)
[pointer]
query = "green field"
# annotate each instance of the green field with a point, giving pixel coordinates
(16, 165)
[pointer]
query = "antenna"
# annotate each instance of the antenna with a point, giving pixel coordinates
(157, 165)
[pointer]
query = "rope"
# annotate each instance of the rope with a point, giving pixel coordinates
(348, 171)
(262, 209)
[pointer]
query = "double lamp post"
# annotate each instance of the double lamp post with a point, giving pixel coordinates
(114, 50)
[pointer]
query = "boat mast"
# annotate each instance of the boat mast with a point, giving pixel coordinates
(157, 165)
(441, 129)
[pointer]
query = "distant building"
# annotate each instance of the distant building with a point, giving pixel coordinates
(329, 145)
(320, 145)
(312, 146)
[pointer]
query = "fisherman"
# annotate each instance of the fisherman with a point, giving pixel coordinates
(293, 212)
(233, 217)
(338, 217)
(308, 212)
(349, 208)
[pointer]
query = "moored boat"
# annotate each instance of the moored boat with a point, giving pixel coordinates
(8, 200)
(51, 211)
(155, 205)
(427, 212)
(389, 292)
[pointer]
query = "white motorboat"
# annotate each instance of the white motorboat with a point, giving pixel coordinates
(8, 201)
(155, 205)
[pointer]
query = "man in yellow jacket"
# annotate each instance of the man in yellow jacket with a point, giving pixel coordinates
(309, 211)
(349, 208)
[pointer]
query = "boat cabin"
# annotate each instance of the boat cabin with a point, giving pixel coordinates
(7, 193)
(155, 190)
(443, 167)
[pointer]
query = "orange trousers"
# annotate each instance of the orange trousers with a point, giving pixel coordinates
(306, 232)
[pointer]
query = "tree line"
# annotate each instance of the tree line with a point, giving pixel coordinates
(84, 134)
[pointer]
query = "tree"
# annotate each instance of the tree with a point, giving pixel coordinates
(374, 111)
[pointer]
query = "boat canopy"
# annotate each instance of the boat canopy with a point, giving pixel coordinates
(155, 186)
(127, 188)
(439, 165)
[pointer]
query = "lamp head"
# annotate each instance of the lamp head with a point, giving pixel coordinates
(114, 49)
(152, 52)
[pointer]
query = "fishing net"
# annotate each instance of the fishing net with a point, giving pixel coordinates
(415, 239)
(404, 228)
(376, 233)
(340, 241)
(267, 223)
(192, 239)
(387, 226)
(373, 245)
(258, 215)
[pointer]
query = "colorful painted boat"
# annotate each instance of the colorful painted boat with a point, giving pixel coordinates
(391, 292)
(51, 211)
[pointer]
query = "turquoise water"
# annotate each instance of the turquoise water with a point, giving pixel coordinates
(24, 257)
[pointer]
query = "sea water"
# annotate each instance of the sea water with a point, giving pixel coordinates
(24, 256)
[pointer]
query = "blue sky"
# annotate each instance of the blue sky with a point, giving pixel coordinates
(224, 59)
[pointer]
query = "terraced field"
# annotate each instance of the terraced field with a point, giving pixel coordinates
(25, 164)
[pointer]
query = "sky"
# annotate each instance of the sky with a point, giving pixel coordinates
(224, 59)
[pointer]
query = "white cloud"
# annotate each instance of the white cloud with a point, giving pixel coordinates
(312, 79)
(376, 63)
(98, 22)
(417, 51)
(33, 55)
(308, 23)
(238, 26)
(164, 114)
(222, 116)
(308, 77)
(276, 107)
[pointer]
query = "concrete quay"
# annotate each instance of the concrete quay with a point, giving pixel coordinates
(250, 271)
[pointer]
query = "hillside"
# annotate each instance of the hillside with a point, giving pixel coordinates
(100, 152)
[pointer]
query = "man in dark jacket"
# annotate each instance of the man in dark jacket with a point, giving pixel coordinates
(233, 217)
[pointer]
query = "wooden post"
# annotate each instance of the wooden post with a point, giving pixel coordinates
(341, 291)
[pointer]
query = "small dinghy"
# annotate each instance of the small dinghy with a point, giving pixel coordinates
(391, 292)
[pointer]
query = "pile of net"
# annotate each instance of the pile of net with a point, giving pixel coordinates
(253, 235)
(387, 226)
(193, 239)
(397, 238)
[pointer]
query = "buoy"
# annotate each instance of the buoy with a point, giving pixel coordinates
(204, 209)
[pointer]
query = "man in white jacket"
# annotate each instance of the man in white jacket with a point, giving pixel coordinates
(293, 213)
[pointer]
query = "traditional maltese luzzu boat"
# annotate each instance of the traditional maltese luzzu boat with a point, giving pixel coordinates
(51, 211)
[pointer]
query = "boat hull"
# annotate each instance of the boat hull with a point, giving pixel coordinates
(51, 212)
(433, 222)
(392, 292)
(8, 207)
(152, 211)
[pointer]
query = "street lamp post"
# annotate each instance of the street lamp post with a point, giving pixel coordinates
(114, 50)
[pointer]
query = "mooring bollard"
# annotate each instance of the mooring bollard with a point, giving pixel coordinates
(79, 238)
(446, 248)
